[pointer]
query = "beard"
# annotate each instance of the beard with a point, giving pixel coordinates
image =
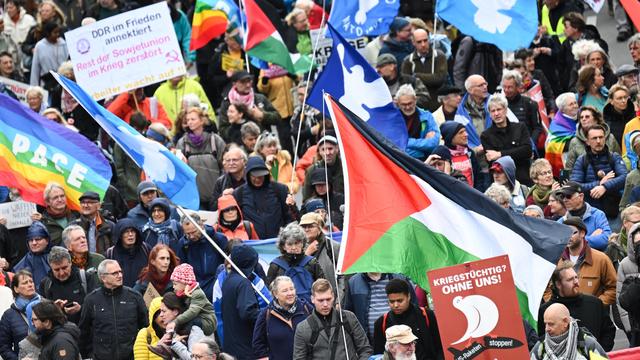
(405, 356)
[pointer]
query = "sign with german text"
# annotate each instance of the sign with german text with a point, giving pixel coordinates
(126, 51)
(17, 213)
(477, 302)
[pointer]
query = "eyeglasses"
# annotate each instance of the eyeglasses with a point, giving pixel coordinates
(115, 273)
(545, 173)
(199, 357)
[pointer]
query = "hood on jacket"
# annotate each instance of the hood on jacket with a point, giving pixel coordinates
(583, 137)
(154, 307)
(121, 226)
(449, 129)
(245, 257)
(162, 203)
(225, 202)
(38, 229)
(631, 252)
(509, 168)
(256, 163)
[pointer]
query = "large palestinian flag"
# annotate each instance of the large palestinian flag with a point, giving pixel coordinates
(265, 38)
(402, 216)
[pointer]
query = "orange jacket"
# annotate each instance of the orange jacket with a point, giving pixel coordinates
(240, 232)
(123, 107)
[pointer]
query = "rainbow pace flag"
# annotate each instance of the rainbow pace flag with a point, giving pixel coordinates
(561, 131)
(210, 20)
(35, 151)
(402, 216)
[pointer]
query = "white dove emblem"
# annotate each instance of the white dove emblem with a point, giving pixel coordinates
(488, 16)
(363, 7)
(481, 313)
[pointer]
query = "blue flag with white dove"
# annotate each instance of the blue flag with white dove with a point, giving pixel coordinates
(508, 24)
(175, 178)
(350, 79)
(358, 18)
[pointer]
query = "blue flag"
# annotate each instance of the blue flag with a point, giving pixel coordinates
(508, 24)
(350, 79)
(353, 18)
(175, 178)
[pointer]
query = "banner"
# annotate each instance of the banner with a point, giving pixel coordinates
(596, 5)
(477, 300)
(17, 213)
(354, 19)
(20, 89)
(325, 45)
(535, 93)
(126, 51)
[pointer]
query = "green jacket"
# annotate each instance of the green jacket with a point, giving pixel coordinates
(199, 307)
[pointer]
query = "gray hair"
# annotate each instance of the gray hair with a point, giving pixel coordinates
(291, 17)
(194, 215)
(67, 231)
(498, 193)
(405, 90)
(212, 346)
(266, 139)
(102, 268)
(50, 186)
(57, 254)
(467, 81)
(249, 128)
(497, 99)
(634, 39)
(234, 147)
(292, 231)
(512, 75)
(35, 89)
(536, 208)
(563, 100)
(274, 284)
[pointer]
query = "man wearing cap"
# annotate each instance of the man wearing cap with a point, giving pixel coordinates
(260, 108)
(265, 203)
(424, 134)
(330, 153)
(590, 310)
(628, 76)
(57, 215)
(96, 225)
(401, 343)
(140, 214)
(598, 229)
(322, 191)
(449, 98)
(387, 68)
(318, 247)
(398, 44)
(419, 64)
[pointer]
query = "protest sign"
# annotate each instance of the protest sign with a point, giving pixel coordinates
(17, 213)
(126, 51)
(477, 302)
(20, 89)
(325, 44)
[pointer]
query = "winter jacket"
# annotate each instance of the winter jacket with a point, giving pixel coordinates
(271, 116)
(139, 214)
(168, 232)
(336, 178)
(513, 140)
(123, 107)
(18, 30)
(587, 344)
(585, 174)
(312, 267)
(110, 321)
(204, 258)
(399, 49)
(55, 229)
(275, 329)
(205, 160)
(197, 307)
(414, 65)
(241, 231)
(131, 260)
(591, 314)
(357, 343)
(594, 219)
(630, 183)
(104, 229)
(224, 181)
(578, 145)
(71, 289)
(171, 97)
(616, 120)
(13, 328)
(421, 147)
(278, 91)
(61, 342)
(148, 336)
(265, 206)
(475, 57)
(36, 264)
(526, 110)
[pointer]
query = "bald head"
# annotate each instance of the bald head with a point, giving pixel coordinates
(477, 88)
(420, 40)
(556, 319)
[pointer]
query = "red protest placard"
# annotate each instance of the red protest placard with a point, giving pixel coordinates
(477, 311)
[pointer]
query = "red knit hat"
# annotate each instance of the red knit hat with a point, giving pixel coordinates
(184, 274)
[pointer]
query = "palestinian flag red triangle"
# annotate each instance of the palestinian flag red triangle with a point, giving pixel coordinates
(265, 34)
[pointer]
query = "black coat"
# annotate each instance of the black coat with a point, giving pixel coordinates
(70, 289)
(616, 120)
(61, 343)
(239, 313)
(512, 140)
(629, 300)
(110, 321)
(526, 110)
(13, 328)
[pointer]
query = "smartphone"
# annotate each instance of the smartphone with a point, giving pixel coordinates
(69, 304)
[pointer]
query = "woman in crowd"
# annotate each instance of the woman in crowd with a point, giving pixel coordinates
(16, 21)
(13, 324)
(276, 324)
(230, 220)
(161, 228)
(590, 88)
(48, 54)
(542, 176)
(278, 161)
(587, 117)
(556, 206)
(618, 111)
(238, 115)
(129, 250)
(36, 100)
(600, 60)
(203, 151)
(561, 130)
(47, 11)
(151, 334)
(54, 115)
(157, 273)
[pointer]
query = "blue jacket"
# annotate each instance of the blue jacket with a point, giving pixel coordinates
(584, 173)
(37, 264)
(239, 313)
(183, 32)
(422, 147)
(204, 258)
(13, 328)
(399, 49)
(594, 219)
(140, 215)
(274, 331)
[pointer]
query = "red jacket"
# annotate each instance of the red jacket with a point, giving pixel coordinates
(123, 107)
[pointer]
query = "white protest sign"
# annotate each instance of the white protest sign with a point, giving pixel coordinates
(20, 89)
(325, 45)
(126, 51)
(17, 213)
(209, 217)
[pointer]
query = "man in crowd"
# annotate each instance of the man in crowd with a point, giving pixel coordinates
(522, 107)
(140, 214)
(313, 336)
(74, 238)
(474, 108)
(449, 98)
(234, 162)
(111, 317)
(424, 134)
(330, 153)
(387, 67)
(597, 226)
(8, 67)
(398, 44)
(322, 248)
(57, 215)
(628, 77)
(588, 309)
(95, 223)
(420, 64)
(58, 337)
(401, 343)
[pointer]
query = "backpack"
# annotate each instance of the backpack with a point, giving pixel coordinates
(206, 165)
(46, 282)
(384, 319)
(316, 328)
(300, 276)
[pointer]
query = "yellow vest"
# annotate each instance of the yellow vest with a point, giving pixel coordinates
(545, 21)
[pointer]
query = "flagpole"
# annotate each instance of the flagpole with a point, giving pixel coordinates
(244, 36)
(224, 255)
(433, 48)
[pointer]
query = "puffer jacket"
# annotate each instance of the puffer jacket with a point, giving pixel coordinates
(628, 267)
(148, 336)
(13, 328)
(585, 174)
(240, 232)
(578, 145)
(62, 339)
(110, 321)
(594, 219)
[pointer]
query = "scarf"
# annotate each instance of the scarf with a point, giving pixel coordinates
(540, 195)
(163, 231)
(564, 346)
(464, 117)
(247, 99)
(196, 140)
(22, 302)
(286, 313)
(274, 71)
(80, 261)
(231, 225)
(160, 283)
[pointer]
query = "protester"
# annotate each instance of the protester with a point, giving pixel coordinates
(544, 184)
(330, 154)
(590, 88)
(57, 215)
(401, 343)
(157, 273)
(231, 222)
(234, 162)
(134, 101)
(321, 247)
(524, 109)
(277, 159)
(151, 334)
(13, 324)
(588, 116)
(423, 130)
(618, 111)
(39, 245)
(449, 98)
(58, 336)
(170, 94)
(74, 239)
(387, 68)
(147, 192)
(129, 250)
(503, 172)
(36, 100)
(161, 228)
(97, 227)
